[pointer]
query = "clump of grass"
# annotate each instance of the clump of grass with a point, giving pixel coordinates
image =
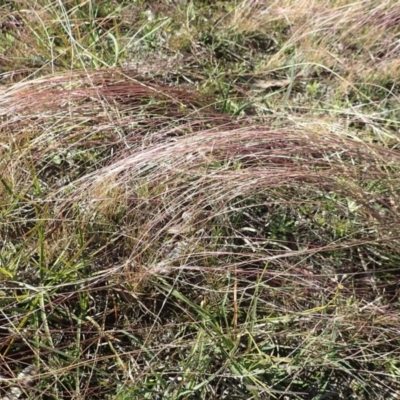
(41, 37)
(235, 241)
(155, 229)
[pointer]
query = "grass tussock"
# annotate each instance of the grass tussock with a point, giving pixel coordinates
(200, 201)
